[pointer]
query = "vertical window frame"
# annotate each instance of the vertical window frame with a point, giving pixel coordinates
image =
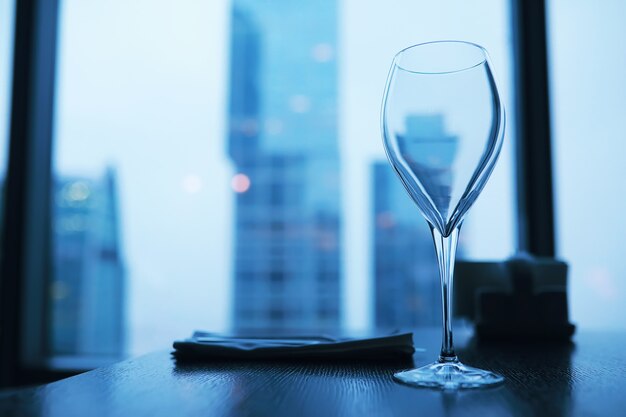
(27, 213)
(535, 196)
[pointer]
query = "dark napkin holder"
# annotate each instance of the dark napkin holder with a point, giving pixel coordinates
(521, 299)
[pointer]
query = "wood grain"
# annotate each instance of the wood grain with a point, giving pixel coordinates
(586, 378)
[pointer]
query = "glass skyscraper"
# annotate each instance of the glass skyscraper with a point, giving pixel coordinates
(406, 280)
(408, 293)
(88, 284)
(283, 145)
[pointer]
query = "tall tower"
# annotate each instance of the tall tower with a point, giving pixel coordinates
(88, 286)
(283, 144)
(405, 267)
(408, 293)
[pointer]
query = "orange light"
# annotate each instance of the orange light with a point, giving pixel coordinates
(240, 183)
(385, 220)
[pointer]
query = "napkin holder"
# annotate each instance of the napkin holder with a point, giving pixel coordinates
(521, 299)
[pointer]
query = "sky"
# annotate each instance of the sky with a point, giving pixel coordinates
(588, 89)
(142, 86)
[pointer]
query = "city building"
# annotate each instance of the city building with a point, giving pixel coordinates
(88, 283)
(406, 275)
(406, 280)
(283, 145)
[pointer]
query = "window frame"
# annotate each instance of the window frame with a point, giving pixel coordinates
(26, 233)
(535, 196)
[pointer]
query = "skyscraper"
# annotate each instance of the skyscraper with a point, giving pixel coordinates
(407, 284)
(405, 267)
(88, 283)
(283, 144)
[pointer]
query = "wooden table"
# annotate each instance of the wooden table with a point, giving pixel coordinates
(586, 378)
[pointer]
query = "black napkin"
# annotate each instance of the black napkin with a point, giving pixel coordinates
(203, 345)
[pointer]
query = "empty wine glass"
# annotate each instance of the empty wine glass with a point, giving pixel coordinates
(443, 125)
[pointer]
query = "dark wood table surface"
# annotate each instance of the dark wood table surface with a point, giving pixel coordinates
(585, 378)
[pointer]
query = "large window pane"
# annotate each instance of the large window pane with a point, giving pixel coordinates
(219, 165)
(6, 67)
(588, 93)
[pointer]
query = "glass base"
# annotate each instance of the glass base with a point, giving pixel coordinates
(449, 375)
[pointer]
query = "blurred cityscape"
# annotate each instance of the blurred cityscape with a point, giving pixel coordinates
(283, 145)
(283, 142)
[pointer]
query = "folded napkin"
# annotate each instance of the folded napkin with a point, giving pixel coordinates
(204, 345)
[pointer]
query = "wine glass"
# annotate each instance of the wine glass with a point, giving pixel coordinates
(442, 126)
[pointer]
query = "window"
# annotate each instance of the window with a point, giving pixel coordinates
(197, 146)
(588, 102)
(6, 52)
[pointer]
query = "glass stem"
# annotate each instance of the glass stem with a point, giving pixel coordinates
(445, 246)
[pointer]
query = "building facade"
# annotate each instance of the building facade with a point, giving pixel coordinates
(283, 144)
(88, 283)
(406, 280)
(406, 275)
